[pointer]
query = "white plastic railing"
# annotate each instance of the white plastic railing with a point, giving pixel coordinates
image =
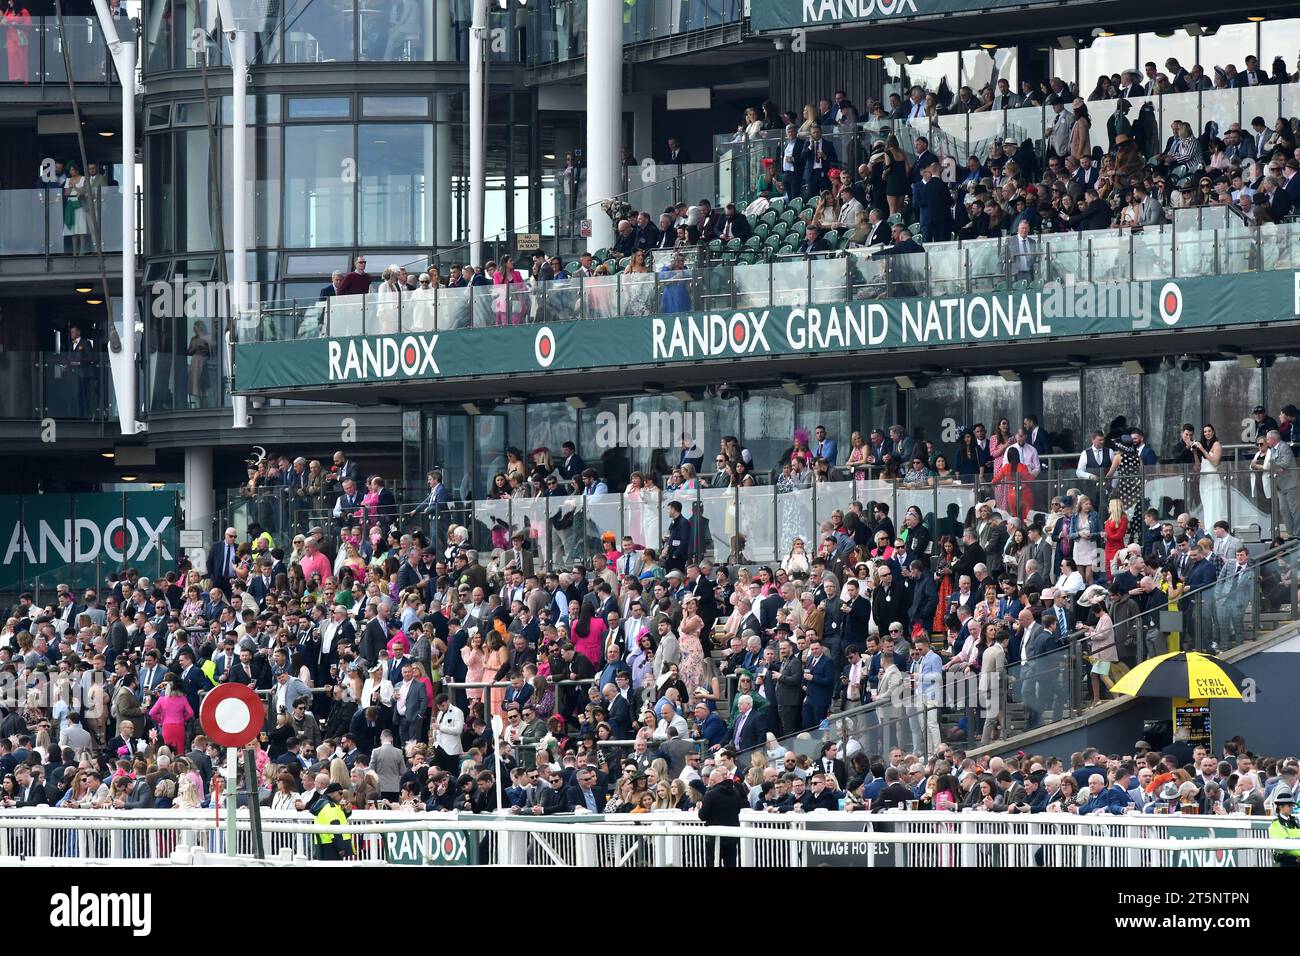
(674, 838)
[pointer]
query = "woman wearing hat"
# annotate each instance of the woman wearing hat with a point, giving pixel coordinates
(1101, 637)
(1080, 141)
(1285, 826)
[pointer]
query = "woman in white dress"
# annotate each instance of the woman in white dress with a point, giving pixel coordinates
(76, 228)
(1214, 495)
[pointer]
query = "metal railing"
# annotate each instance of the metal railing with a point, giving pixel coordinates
(948, 268)
(895, 838)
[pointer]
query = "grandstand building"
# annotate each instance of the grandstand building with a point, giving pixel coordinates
(359, 145)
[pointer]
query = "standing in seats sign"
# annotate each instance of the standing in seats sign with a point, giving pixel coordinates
(431, 848)
(80, 539)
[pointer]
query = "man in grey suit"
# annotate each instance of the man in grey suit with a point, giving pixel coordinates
(1153, 213)
(1022, 254)
(287, 691)
(1281, 464)
(789, 690)
(389, 764)
(411, 703)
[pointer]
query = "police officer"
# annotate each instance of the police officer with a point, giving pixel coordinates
(329, 811)
(1285, 826)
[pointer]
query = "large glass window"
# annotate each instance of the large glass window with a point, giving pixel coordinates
(879, 409)
(1157, 50)
(395, 170)
(1106, 56)
(318, 31)
(1061, 412)
(768, 416)
(934, 412)
(1173, 397)
(262, 194)
(990, 398)
(1231, 44)
(720, 416)
(829, 406)
(1283, 383)
(194, 207)
(550, 425)
(1109, 392)
(1231, 391)
(319, 176)
(398, 30)
(160, 236)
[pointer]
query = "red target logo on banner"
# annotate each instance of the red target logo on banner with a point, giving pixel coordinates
(544, 346)
(1171, 303)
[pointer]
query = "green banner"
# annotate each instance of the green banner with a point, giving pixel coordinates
(1049, 312)
(765, 15)
(79, 539)
(431, 848)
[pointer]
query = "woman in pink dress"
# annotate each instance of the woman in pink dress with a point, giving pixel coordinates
(173, 711)
(1000, 439)
(474, 657)
(691, 666)
(589, 634)
(18, 38)
(497, 655)
(510, 298)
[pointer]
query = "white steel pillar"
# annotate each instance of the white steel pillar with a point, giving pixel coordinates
(604, 114)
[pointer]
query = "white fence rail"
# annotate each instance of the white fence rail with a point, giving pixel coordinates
(666, 838)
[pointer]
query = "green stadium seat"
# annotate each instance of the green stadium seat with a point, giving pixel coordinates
(714, 246)
(761, 232)
(600, 255)
(733, 245)
(755, 241)
(788, 216)
(796, 205)
(573, 267)
(832, 239)
(749, 258)
(769, 218)
(800, 228)
(781, 229)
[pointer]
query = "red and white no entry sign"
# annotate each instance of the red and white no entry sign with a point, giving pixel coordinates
(232, 715)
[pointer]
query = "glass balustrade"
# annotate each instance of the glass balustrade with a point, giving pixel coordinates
(943, 269)
(44, 222)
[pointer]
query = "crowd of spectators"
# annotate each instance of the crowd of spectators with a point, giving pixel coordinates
(382, 679)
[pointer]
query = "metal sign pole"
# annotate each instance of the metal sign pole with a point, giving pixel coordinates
(232, 801)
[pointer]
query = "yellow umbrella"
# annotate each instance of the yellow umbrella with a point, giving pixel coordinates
(1182, 674)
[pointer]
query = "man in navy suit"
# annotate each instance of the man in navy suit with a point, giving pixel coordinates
(744, 732)
(932, 198)
(619, 712)
(708, 726)
(193, 679)
(924, 158)
(222, 560)
(819, 685)
(1145, 452)
(818, 158)
(1113, 799)
(261, 583)
(435, 506)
